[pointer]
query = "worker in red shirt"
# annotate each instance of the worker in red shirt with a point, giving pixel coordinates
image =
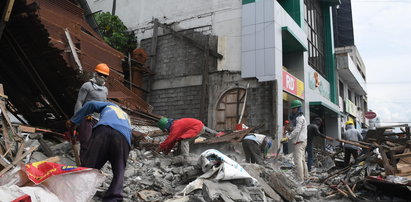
(181, 131)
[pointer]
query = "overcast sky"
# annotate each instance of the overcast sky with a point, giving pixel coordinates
(382, 34)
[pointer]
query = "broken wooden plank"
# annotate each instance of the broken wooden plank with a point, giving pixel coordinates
(4, 162)
(21, 149)
(18, 160)
(389, 169)
(355, 143)
(404, 155)
(6, 117)
(30, 129)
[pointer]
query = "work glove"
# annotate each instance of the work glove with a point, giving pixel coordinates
(70, 125)
(284, 139)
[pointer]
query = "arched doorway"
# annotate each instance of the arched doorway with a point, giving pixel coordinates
(229, 109)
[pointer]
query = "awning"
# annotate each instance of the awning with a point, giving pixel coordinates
(291, 42)
(327, 107)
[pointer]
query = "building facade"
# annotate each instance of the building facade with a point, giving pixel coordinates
(272, 53)
(351, 69)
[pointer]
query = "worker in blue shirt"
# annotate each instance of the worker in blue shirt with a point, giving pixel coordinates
(110, 141)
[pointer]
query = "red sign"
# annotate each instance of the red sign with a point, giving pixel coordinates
(370, 115)
(293, 85)
(289, 83)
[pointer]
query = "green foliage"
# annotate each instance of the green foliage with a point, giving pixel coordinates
(115, 32)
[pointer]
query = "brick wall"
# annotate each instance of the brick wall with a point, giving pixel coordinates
(178, 58)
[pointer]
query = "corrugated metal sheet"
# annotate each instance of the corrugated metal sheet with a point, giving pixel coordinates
(39, 72)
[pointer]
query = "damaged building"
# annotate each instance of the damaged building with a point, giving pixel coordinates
(48, 50)
(223, 62)
(208, 55)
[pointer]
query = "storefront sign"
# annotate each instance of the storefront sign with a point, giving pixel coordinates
(350, 107)
(370, 115)
(293, 85)
(318, 83)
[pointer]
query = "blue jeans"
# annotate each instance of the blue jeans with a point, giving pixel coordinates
(285, 147)
(310, 155)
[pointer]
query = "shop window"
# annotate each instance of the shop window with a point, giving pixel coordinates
(315, 31)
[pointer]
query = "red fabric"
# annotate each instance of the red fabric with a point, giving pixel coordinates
(185, 128)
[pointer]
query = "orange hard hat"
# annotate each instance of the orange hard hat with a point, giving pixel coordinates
(103, 69)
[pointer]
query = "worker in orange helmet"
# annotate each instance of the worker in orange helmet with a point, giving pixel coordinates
(92, 90)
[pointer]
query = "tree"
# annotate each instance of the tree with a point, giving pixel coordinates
(115, 33)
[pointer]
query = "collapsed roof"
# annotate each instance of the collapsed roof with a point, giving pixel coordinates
(47, 52)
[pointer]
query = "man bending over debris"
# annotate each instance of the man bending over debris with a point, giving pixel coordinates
(354, 135)
(91, 90)
(110, 141)
(181, 131)
(255, 147)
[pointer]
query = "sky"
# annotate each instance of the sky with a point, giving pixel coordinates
(382, 34)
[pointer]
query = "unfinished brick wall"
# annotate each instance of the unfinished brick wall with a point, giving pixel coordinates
(176, 58)
(177, 102)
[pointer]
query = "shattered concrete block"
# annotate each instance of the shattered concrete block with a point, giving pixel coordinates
(148, 182)
(186, 199)
(223, 191)
(191, 171)
(129, 172)
(164, 185)
(149, 195)
(169, 176)
(133, 155)
(127, 190)
(186, 159)
(281, 184)
(62, 148)
(37, 156)
(255, 171)
(328, 163)
(308, 192)
(177, 170)
(165, 163)
(256, 193)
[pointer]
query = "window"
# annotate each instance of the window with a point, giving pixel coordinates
(341, 87)
(314, 21)
(349, 95)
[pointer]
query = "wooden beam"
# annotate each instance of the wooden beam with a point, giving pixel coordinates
(73, 50)
(204, 83)
(191, 41)
(153, 56)
(18, 160)
(404, 155)
(389, 169)
(355, 143)
(7, 10)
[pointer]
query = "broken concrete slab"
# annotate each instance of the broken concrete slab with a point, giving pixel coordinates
(281, 184)
(223, 191)
(255, 170)
(149, 195)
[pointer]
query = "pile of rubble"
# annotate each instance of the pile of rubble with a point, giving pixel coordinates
(153, 177)
(382, 172)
